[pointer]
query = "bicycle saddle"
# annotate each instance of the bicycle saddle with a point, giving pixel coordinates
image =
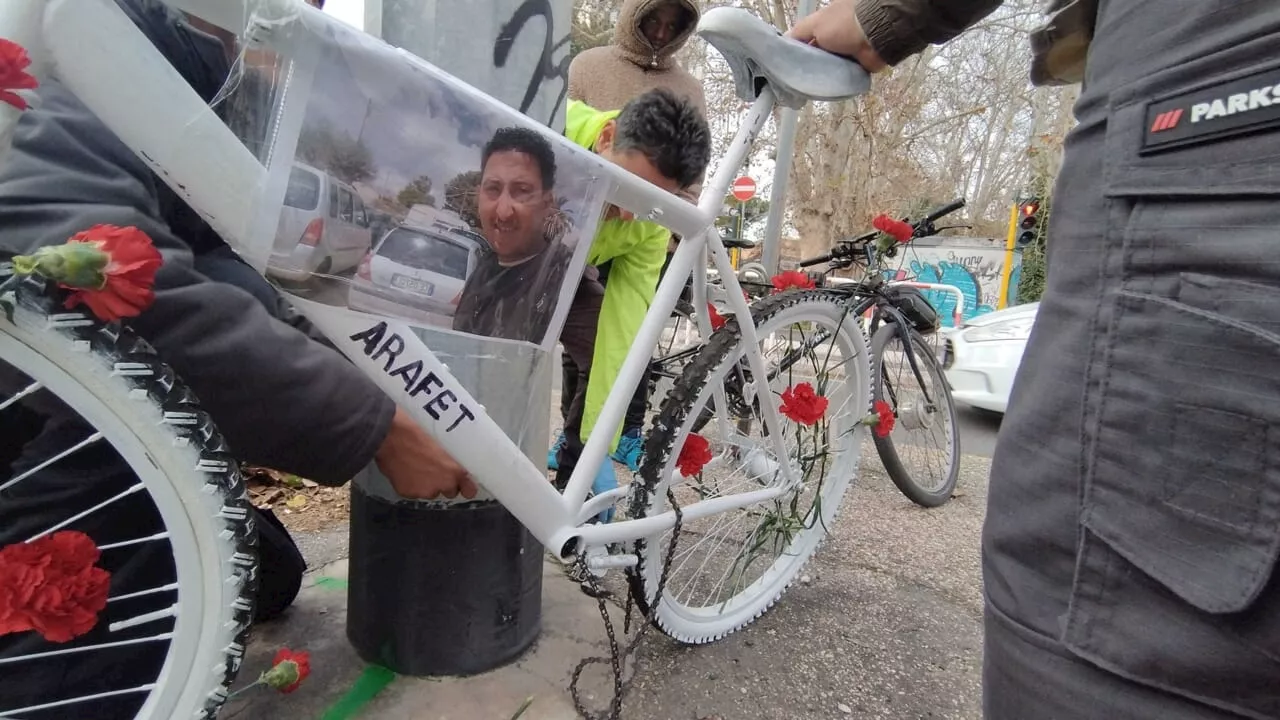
(757, 53)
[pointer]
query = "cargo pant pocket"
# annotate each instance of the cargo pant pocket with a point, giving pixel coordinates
(1181, 506)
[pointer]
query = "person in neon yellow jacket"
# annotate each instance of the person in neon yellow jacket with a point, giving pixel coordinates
(663, 139)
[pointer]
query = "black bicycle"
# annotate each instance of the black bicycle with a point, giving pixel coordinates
(907, 376)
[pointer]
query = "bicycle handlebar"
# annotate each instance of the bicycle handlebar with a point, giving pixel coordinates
(938, 212)
(847, 249)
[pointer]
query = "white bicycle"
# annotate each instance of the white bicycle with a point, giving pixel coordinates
(706, 553)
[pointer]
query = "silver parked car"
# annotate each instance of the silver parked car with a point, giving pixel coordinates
(323, 228)
(417, 272)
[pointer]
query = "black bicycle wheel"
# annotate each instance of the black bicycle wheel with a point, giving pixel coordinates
(669, 362)
(924, 418)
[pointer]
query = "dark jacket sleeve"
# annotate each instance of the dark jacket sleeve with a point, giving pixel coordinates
(898, 29)
(281, 399)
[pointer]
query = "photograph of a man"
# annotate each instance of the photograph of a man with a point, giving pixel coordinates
(512, 293)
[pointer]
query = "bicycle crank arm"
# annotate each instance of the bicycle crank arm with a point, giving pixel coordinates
(604, 563)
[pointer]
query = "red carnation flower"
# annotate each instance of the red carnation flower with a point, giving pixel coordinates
(127, 278)
(792, 280)
(17, 586)
(884, 418)
(111, 269)
(288, 670)
(896, 229)
(694, 455)
(801, 404)
(14, 62)
(717, 320)
(50, 585)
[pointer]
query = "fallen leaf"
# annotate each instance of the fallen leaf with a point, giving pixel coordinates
(296, 502)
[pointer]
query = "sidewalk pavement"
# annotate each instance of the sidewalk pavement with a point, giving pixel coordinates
(572, 629)
(884, 623)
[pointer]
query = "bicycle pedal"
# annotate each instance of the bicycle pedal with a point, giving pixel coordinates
(587, 582)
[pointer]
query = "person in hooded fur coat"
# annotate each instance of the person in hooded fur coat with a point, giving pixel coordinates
(641, 57)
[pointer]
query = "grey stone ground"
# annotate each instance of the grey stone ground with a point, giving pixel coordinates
(887, 626)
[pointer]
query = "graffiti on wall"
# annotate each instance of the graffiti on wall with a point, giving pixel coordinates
(975, 269)
(515, 50)
(546, 69)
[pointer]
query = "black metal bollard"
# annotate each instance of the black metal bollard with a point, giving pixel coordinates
(441, 590)
(452, 588)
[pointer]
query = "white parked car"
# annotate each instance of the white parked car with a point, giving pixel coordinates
(981, 357)
(323, 228)
(416, 272)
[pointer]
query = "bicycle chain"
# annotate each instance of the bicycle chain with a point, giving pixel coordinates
(617, 655)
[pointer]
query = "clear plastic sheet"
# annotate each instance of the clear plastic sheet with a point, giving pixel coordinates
(382, 208)
(377, 202)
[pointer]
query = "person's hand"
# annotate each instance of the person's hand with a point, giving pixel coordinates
(417, 466)
(835, 28)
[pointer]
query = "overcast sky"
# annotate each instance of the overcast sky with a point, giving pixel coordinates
(348, 11)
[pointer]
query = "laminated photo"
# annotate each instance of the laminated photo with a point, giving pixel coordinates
(405, 193)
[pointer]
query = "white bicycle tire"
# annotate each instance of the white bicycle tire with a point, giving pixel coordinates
(113, 379)
(673, 425)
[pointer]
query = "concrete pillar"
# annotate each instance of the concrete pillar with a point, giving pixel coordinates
(515, 50)
(442, 588)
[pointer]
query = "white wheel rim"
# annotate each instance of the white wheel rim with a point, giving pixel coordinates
(757, 596)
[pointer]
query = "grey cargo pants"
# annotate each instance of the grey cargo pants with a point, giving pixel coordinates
(1133, 524)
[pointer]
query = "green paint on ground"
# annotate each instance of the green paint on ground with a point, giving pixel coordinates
(367, 686)
(331, 583)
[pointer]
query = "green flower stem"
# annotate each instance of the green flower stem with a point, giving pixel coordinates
(78, 265)
(245, 689)
(525, 706)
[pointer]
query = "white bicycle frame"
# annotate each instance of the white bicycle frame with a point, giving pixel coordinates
(97, 53)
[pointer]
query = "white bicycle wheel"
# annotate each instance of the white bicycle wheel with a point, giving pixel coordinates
(114, 382)
(720, 594)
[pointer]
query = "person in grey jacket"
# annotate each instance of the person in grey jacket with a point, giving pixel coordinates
(1133, 521)
(280, 398)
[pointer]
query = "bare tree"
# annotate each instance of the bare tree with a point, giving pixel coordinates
(593, 22)
(957, 120)
(460, 196)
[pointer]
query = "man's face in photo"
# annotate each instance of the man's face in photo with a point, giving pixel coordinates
(513, 205)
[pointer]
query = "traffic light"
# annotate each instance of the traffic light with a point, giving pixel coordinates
(1028, 222)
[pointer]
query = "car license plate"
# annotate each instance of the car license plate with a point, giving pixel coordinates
(404, 282)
